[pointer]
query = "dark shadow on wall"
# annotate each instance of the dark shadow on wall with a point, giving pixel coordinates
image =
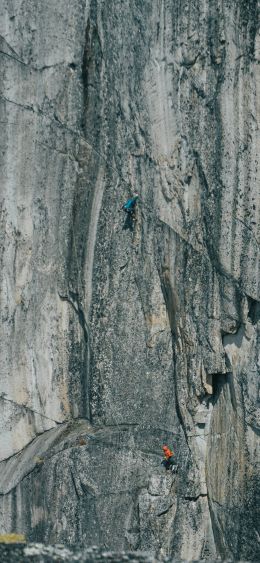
(91, 77)
(129, 223)
(219, 382)
(254, 310)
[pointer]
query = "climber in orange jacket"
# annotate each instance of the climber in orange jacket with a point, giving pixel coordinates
(168, 460)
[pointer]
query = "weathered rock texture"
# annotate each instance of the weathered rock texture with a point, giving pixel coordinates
(116, 337)
(39, 553)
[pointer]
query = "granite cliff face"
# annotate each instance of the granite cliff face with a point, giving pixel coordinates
(118, 337)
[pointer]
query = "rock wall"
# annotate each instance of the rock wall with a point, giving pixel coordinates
(118, 336)
(39, 553)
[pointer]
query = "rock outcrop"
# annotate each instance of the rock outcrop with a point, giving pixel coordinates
(39, 553)
(118, 336)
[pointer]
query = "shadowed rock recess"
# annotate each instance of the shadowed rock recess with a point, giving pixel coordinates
(119, 337)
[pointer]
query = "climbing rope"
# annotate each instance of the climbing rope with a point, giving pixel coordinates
(22, 406)
(73, 132)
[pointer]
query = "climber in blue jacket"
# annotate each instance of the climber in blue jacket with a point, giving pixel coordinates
(129, 206)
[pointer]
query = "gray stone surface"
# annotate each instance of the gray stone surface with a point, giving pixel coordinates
(116, 338)
(39, 553)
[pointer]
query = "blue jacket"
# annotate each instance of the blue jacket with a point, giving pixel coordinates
(130, 204)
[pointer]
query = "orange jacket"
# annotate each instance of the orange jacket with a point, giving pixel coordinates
(167, 452)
